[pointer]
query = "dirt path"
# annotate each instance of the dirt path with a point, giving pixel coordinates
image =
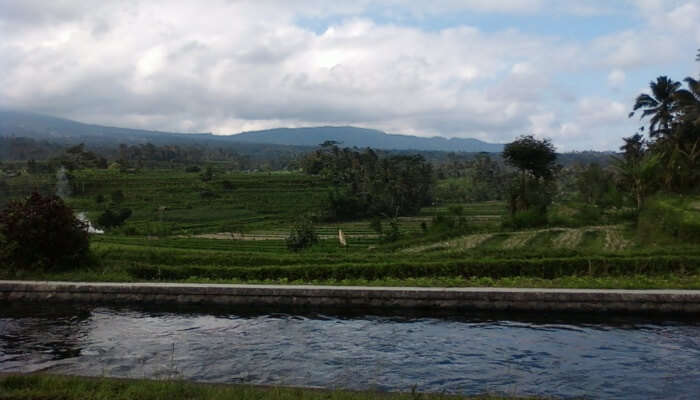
(267, 236)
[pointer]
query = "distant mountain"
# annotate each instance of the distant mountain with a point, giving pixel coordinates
(38, 126)
(359, 137)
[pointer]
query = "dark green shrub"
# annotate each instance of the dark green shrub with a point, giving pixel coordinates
(42, 233)
(525, 219)
(192, 169)
(302, 235)
(117, 196)
(207, 175)
(588, 215)
(227, 185)
(546, 268)
(113, 218)
(376, 225)
(393, 233)
(208, 194)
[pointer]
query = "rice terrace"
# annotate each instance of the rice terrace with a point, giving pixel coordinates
(255, 230)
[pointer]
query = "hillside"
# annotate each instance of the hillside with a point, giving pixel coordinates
(38, 126)
(359, 137)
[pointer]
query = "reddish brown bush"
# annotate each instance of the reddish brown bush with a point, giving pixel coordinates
(41, 233)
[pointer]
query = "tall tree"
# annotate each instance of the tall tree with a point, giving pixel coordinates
(535, 159)
(688, 102)
(660, 105)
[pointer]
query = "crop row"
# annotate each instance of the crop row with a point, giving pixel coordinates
(493, 268)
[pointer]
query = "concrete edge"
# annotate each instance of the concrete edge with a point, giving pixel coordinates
(495, 299)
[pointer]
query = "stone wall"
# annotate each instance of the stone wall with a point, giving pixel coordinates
(495, 299)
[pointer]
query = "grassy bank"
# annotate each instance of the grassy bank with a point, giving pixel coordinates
(52, 387)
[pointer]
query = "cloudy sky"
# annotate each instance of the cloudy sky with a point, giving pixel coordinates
(489, 69)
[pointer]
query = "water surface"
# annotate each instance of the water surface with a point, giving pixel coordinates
(531, 355)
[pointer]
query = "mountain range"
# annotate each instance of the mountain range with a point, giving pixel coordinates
(39, 126)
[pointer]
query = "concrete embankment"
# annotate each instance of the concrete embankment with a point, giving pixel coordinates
(444, 299)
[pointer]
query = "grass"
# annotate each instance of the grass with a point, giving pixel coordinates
(55, 387)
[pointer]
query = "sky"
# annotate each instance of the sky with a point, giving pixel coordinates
(487, 69)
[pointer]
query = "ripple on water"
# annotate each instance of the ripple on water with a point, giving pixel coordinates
(630, 359)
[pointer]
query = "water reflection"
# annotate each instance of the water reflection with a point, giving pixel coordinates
(33, 338)
(530, 354)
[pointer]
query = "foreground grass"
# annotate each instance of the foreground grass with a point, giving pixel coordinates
(53, 387)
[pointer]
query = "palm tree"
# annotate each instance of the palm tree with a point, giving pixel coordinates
(688, 101)
(660, 105)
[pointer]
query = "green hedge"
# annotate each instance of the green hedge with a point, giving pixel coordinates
(493, 268)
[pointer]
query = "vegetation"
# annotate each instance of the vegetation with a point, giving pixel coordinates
(366, 185)
(531, 192)
(302, 236)
(41, 233)
(50, 387)
(519, 219)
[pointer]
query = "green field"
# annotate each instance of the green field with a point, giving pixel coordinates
(233, 229)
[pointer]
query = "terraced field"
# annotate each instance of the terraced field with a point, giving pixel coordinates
(610, 238)
(232, 229)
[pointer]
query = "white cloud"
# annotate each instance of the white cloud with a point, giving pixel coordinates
(616, 78)
(242, 65)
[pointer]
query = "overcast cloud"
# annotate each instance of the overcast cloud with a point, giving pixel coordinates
(486, 69)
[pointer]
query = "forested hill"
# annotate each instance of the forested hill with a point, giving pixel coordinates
(59, 130)
(349, 136)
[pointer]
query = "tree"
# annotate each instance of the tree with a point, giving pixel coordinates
(302, 235)
(634, 148)
(638, 175)
(535, 160)
(688, 102)
(660, 105)
(367, 185)
(42, 233)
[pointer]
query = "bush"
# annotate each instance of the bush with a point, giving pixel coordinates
(525, 219)
(545, 268)
(42, 233)
(117, 196)
(207, 175)
(668, 219)
(112, 218)
(227, 185)
(192, 169)
(302, 235)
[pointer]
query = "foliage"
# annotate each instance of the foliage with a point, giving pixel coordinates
(534, 187)
(42, 233)
(545, 268)
(674, 131)
(525, 219)
(366, 185)
(112, 218)
(669, 218)
(77, 157)
(637, 175)
(302, 236)
(533, 156)
(117, 196)
(596, 186)
(208, 174)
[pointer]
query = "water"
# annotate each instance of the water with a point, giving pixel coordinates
(619, 358)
